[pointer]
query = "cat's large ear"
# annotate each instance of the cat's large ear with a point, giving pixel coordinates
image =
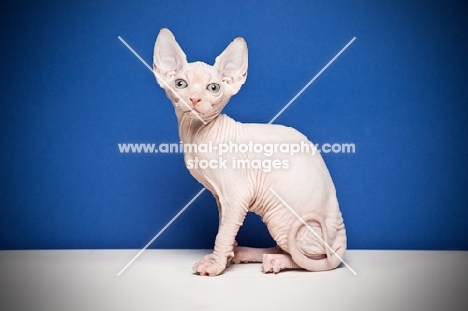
(168, 57)
(232, 65)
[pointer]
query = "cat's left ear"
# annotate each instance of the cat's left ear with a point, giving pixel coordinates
(232, 65)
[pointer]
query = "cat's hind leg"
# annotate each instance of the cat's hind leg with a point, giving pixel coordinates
(250, 254)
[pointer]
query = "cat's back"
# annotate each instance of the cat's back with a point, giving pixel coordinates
(272, 133)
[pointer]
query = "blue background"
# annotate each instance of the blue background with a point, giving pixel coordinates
(71, 91)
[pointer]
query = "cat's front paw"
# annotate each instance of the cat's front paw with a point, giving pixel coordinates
(209, 265)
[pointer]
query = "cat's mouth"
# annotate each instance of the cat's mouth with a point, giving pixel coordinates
(196, 109)
(205, 117)
(193, 110)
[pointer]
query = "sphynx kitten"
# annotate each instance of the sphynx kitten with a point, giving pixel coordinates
(199, 92)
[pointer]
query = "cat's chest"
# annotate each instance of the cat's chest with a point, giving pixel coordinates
(201, 156)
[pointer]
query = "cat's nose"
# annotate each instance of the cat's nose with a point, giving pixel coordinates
(195, 101)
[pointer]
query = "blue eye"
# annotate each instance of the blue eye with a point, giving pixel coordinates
(180, 84)
(213, 87)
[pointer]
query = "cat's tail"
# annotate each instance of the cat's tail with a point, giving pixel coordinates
(317, 262)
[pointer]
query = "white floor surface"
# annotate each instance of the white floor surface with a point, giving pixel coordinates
(163, 280)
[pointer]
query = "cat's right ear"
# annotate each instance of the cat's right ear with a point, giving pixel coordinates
(231, 64)
(168, 57)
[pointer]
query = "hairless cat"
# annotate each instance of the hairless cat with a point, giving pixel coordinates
(199, 92)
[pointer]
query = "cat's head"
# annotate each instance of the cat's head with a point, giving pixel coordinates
(198, 90)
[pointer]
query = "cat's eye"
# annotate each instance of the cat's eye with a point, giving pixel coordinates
(213, 87)
(180, 84)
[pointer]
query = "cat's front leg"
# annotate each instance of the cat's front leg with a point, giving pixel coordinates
(215, 263)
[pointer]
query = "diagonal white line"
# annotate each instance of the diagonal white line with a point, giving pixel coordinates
(161, 231)
(311, 81)
(271, 121)
(162, 80)
(136, 54)
(312, 230)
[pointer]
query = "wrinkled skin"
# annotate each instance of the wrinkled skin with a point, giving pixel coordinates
(199, 92)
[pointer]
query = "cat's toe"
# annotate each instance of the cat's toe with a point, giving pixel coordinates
(272, 264)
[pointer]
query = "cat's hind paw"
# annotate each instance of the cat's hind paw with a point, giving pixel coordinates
(277, 262)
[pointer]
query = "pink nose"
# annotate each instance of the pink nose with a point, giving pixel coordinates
(195, 101)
